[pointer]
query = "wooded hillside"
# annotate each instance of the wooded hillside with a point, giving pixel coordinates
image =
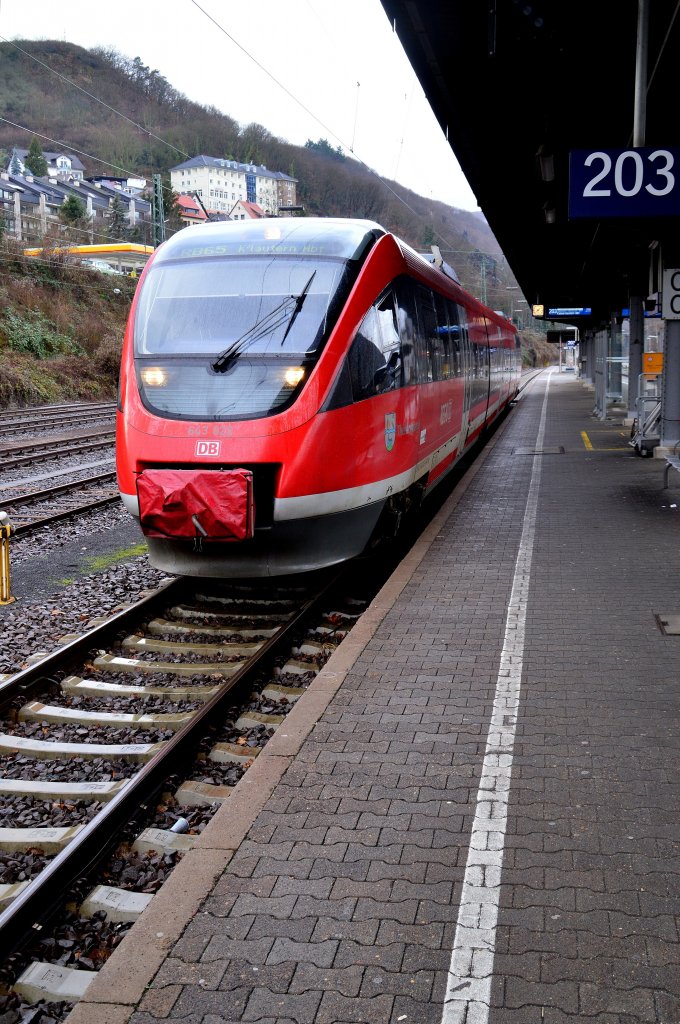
(32, 96)
(61, 326)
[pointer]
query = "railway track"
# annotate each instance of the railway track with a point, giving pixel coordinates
(21, 424)
(31, 452)
(179, 692)
(527, 378)
(38, 412)
(31, 509)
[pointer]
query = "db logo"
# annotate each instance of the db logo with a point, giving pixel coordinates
(208, 448)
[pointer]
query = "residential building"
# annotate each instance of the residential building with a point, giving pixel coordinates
(243, 210)
(221, 183)
(30, 205)
(59, 165)
(286, 190)
(190, 210)
(133, 186)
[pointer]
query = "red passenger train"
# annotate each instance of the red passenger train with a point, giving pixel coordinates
(290, 387)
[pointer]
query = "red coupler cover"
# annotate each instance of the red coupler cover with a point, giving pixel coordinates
(210, 504)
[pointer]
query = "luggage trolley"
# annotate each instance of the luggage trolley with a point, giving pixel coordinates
(645, 433)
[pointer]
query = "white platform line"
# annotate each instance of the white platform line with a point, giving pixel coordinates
(468, 991)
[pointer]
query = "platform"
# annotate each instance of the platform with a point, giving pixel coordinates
(473, 814)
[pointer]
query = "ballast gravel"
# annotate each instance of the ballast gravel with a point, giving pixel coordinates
(70, 732)
(71, 769)
(60, 460)
(45, 538)
(28, 627)
(26, 812)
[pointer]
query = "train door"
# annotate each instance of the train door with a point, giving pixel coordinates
(449, 371)
(427, 362)
(407, 322)
(466, 370)
(496, 357)
(479, 375)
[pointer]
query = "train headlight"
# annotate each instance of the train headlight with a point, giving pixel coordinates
(154, 376)
(294, 375)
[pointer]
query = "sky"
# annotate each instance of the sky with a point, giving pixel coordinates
(304, 69)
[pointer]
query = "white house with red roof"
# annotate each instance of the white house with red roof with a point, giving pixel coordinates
(243, 210)
(190, 211)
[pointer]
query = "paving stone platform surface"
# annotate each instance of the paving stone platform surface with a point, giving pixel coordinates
(492, 788)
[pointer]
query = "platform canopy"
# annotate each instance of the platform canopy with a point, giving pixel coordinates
(519, 85)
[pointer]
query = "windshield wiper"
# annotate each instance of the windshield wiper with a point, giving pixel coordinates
(299, 302)
(274, 319)
(271, 322)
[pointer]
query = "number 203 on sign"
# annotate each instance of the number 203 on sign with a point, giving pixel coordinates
(624, 183)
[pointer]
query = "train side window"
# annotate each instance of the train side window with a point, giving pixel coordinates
(426, 352)
(391, 377)
(464, 338)
(365, 356)
(375, 357)
(407, 321)
(388, 324)
(454, 340)
(441, 349)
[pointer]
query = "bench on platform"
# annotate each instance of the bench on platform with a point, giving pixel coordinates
(672, 462)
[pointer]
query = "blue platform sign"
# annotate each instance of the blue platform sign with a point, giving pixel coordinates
(624, 183)
(555, 312)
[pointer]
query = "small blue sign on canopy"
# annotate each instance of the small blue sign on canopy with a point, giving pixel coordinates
(641, 182)
(555, 312)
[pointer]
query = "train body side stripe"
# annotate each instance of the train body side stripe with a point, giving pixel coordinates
(331, 502)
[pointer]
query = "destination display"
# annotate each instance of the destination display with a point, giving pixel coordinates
(640, 182)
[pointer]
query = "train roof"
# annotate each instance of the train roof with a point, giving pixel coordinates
(294, 236)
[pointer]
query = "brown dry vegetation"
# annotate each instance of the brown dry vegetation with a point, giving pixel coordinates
(536, 351)
(61, 328)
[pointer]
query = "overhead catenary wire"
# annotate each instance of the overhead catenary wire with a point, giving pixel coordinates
(311, 114)
(408, 100)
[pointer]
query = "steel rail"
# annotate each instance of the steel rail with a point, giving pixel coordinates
(530, 380)
(27, 914)
(64, 450)
(53, 442)
(50, 411)
(57, 517)
(51, 421)
(50, 492)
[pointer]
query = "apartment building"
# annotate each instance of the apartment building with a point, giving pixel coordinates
(222, 183)
(29, 205)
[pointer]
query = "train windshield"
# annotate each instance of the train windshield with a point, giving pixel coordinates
(234, 338)
(208, 307)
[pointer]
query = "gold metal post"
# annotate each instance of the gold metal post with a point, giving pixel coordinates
(5, 534)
